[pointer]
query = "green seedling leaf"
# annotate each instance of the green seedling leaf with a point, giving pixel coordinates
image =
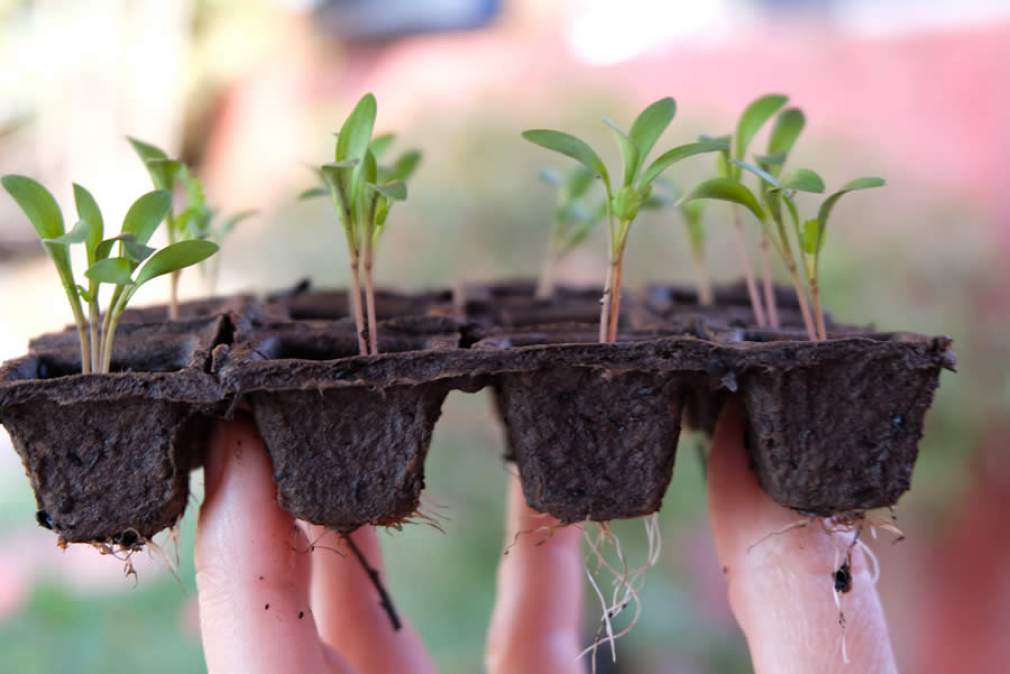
(161, 168)
(726, 189)
(759, 172)
(627, 202)
(381, 144)
(650, 125)
(825, 210)
(813, 240)
(754, 116)
(570, 146)
(393, 191)
(44, 213)
(313, 193)
(115, 270)
(165, 172)
(404, 166)
(85, 293)
(578, 183)
(135, 251)
(356, 133)
(671, 157)
(175, 257)
(370, 168)
(79, 234)
(38, 205)
(87, 209)
(131, 248)
(692, 212)
(655, 202)
(803, 180)
(788, 125)
(146, 213)
(146, 151)
(629, 153)
(768, 161)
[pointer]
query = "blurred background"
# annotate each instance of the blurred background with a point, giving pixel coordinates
(250, 92)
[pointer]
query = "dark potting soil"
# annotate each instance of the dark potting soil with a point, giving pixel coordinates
(593, 428)
(109, 455)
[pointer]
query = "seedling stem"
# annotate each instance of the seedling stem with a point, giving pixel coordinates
(748, 270)
(769, 286)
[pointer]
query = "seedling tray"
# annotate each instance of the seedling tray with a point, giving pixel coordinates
(593, 428)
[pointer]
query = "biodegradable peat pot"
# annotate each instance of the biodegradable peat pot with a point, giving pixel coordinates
(109, 455)
(593, 428)
(347, 448)
(834, 427)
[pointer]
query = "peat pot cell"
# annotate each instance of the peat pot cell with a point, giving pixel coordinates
(592, 443)
(138, 347)
(344, 457)
(346, 450)
(834, 427)
(196, 309)
(512, 303)
(108, 455)
(311, 305)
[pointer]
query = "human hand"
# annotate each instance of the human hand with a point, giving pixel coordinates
(268, 606)
(250, 554)
(780, 581)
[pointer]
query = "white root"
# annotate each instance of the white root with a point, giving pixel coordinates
(626, 582)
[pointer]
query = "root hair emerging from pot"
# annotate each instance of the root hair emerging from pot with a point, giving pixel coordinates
(626, 583)
(854, 523)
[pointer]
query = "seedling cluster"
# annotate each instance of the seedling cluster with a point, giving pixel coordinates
(625, 199)
(363, 191)
(194, 219)
(797, 241)
(124, 261)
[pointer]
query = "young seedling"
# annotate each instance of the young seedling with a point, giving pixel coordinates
(574, 220)
(195, 219)
(692, 213)
(363, 191)
(813, 237)
(96, 334)
(751, 121)
(624, 200)
(806, 235)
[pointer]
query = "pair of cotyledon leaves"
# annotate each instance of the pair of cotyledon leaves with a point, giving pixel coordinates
(139, 224)
(637, 179)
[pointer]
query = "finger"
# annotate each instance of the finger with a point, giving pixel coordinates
(781, 579)
(349, 612)
(535, 623)
(252, 568)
